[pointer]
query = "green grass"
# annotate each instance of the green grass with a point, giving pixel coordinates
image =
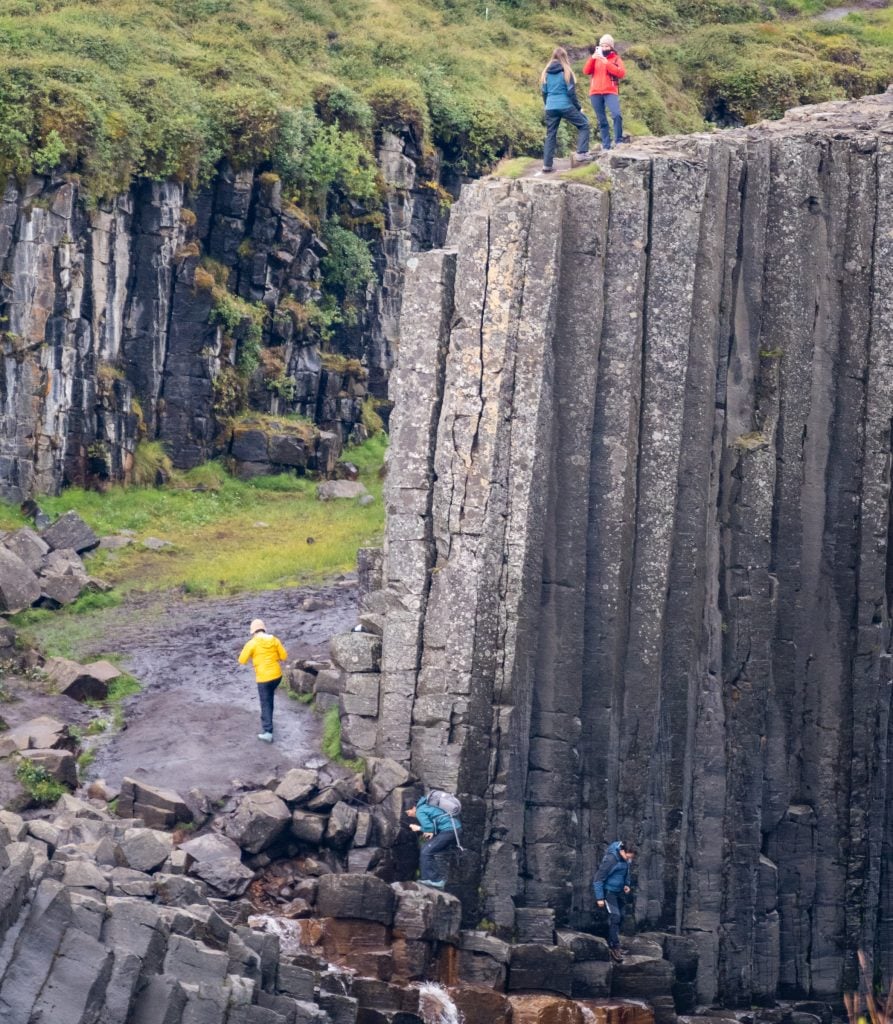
(513, 167)
(589, 174)
(219, 545)
(331, 734)
(161, 88)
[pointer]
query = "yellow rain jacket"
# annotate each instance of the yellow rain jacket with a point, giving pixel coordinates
(265, 652)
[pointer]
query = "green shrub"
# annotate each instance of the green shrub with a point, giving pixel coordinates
(339, 104)
(398, 104)
(369, 417)
(150, 460)
(348, 266)
(40, 786)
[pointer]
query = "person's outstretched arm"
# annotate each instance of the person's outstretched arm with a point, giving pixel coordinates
(246, 652)
(280, 650)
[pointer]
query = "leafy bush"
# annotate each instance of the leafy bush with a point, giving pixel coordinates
(348, 266)
(40, 786)
(341, 105)
(400, 103)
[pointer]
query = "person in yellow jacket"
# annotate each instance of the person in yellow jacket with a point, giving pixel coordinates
(266, 654)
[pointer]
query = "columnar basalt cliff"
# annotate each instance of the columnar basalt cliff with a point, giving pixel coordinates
(637, 561)
(111, 328)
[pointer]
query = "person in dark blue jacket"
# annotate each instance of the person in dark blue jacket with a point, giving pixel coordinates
(610, 885)
(440, 832)
(559, 88)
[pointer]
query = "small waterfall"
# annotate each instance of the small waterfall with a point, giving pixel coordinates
(436, 1007)
(588, 1016)
(289, 931)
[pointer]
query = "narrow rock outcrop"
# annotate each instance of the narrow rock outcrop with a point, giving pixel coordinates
(637, 556)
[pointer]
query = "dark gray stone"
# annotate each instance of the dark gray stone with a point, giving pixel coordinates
(364, 897)
(69, 531)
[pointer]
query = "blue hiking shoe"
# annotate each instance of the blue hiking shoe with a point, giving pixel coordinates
(430, 882)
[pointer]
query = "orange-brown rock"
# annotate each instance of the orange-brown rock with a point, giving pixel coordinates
(480, 1005)
(545, 1009)
(363, 946)
(617, 1011)
(412, 960)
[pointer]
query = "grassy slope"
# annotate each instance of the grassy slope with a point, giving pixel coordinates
(167, 86)
(218, 546)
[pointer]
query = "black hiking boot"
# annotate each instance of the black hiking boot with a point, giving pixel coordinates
(616, 955)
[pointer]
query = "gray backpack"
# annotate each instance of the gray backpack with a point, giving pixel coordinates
(450, 804)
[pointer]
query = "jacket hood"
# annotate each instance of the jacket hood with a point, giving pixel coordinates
(554, 67)
(615, 849)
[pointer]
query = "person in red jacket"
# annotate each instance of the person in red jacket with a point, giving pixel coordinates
(606, 69)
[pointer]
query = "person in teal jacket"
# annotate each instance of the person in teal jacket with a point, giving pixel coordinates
(440, 832)
(559, 89)
(611, 883)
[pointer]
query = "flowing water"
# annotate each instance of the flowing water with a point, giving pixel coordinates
(436, 1007)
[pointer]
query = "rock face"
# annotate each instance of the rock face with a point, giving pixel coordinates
(109, 331)
(637, 566)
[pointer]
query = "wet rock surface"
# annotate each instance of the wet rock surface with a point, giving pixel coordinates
(636, 568)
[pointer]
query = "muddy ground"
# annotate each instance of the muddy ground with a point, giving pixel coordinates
(195, 723)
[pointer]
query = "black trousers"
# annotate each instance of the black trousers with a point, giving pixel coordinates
(427, 864)
(265, 693)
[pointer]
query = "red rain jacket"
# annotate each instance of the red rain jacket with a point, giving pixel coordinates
(605, 73)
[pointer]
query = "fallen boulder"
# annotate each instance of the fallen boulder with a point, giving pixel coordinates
(19, 586)
(159, 808)
(218, 861)
(297, 785)
(43, 733)
(70, 531)
(332, 490)
(81, 682)
(146, 849)
(63, 577)
(28, 546)
(258, 821)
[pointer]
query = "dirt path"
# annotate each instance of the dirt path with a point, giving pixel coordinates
(195, 723)
(836, 13)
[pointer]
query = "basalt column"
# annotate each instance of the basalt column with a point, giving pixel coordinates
(637, 552)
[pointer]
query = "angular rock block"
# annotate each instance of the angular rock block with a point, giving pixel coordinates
(146, 849)
(357, 652)
(70, 531)
(426, 914)
(535, 924)
(258, 821)
(60, 764)
(541, 968)
(297, 785)
(333, 490)
(591, 979)
(542, 1009)
(360, 945)
(218, 861)
(81, 682)
(19, 586)
(363, 897)
(308, 827)
(583, 945)
(360, 694)
(43, 733)
(28, 546)
(158, 807)
(481, 1005)
(342, 825)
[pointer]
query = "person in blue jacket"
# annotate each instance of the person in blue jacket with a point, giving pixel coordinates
(440, 832)
(610, 885)
(559, 88)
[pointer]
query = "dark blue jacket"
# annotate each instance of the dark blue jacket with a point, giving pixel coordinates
(433, 819)
(558, 94)
(612, 874)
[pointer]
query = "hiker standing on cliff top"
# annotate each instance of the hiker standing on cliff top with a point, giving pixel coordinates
(606, 69)
(611, 884)
(266, 654)
(559, 89)
(437, 818)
